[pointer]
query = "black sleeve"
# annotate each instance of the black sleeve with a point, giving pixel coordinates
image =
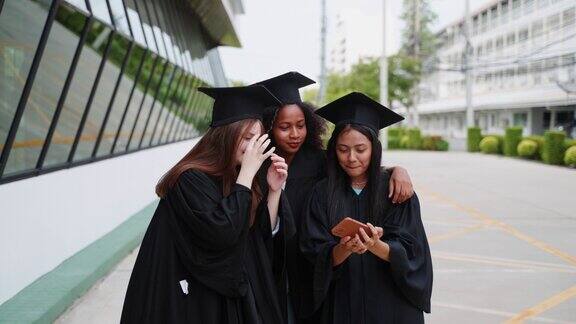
(410, 261)
(215, 221)
(317, 243)
(210, 232)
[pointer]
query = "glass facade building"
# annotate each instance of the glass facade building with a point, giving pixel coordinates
(86, 80)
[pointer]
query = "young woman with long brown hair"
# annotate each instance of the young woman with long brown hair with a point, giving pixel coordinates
(296, 131)
(205, 255)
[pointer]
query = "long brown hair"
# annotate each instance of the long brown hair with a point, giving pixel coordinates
(215, 154)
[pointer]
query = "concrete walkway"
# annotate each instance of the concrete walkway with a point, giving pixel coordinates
(502, 234)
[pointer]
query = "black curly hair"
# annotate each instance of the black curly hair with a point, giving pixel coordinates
(315, 125)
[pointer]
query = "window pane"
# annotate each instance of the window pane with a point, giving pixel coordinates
(167, 77)
(46, 90)
(154, 79)
(135, 102)
(120, 102)
(99, 106)
(119, 16)
(78, 94)
(167, 112)
(100, 10)
(21, 23)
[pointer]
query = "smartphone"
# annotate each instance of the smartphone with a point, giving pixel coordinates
(349, 227)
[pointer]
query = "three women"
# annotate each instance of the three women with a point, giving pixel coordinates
(223, 245)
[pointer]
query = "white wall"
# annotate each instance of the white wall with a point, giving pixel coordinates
(46, 219)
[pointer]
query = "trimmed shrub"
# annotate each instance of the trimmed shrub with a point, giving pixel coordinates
(511, 140)
(474, 138)
(570, 156)
(414, 139)
(568, 143)
(489, 145)
(540, 141)
(442, 145)
(500, 139)
(527, 149)
(434, 143)
(553, 152)
(393, 143)
(404, 140)
(395, 132)
(394, 137)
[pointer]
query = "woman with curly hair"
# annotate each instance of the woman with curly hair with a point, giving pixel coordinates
(296, 132)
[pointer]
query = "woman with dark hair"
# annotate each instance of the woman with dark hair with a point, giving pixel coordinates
(296, 131)
(381, 272)
(205, 255)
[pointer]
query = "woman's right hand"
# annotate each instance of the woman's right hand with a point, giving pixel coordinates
(353, 244)
(253, 158)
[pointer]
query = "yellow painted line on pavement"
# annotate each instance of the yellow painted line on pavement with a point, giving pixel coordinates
(543, 306)
(504, 262)
(507, 228)
(482, 310)
(456, 233)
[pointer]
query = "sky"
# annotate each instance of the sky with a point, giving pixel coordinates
(280, 36)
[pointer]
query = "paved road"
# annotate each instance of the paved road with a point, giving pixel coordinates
(502, 234)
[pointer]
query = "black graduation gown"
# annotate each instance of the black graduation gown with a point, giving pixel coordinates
(200, 236)
(294, 272)
(365, 288)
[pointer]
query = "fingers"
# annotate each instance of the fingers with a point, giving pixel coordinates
(269, 153)
(373, 229)
(345, 239)
(391, 188)
(397, 192)
(263, 146)
(251, 143)
(277, 158)
(365, 236)
(380, 231)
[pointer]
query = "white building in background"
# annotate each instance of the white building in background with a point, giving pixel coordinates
(524, 70)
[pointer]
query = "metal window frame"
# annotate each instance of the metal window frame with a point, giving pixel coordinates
(129, 101)
(187, 82)
(155, 96)
(166, 29)
(64, 93)
(88, 107)
(165, 126)
(148, 82)
(50, 18)
(167, 109)
(112, 99)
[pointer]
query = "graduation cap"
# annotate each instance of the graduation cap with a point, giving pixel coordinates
(358, 108)
(285, 87)
(232, 104)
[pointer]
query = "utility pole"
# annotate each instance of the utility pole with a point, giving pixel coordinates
(323, 22)
(468, 67)
(384, 75)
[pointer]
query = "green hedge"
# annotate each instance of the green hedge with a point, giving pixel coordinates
(474, 138)
(489, 145)
(511, 140)
(414, 139)
(500, 139)
(528, 149)
(570, 156)
(553, 152)
(434, 143)
(568, 143)
(395, 135)
(539, 140)
(404, 140)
